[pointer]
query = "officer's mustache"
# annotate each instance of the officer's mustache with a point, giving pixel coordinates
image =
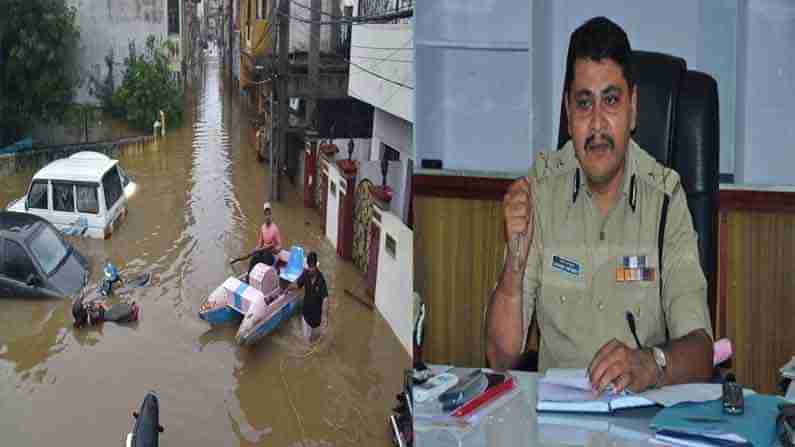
(592, 141)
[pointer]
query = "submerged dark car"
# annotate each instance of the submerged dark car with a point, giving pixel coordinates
(36, 261)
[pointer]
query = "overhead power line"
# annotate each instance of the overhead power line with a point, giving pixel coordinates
(384, 59)
(359, 20)
(372, 73)
(382, 48)
(364, 69)
(396, 10)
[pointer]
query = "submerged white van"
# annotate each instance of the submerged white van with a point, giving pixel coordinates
(84, 194)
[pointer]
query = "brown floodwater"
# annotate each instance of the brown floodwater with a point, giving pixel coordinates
(198, 204)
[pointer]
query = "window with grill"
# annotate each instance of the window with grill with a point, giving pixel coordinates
(63, 197)
(173, 16)
(87, 199)
(37, 198)
(111, 184)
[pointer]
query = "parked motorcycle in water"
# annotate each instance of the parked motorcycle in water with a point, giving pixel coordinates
(147, 428)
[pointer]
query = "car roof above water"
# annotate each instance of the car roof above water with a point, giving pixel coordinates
(11, 221)
(81, 167)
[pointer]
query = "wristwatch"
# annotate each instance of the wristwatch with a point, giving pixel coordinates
(661, 363)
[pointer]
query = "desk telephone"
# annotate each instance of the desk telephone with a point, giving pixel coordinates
(733, 399)
(785, 424)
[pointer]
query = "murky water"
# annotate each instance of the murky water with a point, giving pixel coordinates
(198, 204)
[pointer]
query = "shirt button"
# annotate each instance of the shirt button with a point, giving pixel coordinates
(601, 306)
(562, 299)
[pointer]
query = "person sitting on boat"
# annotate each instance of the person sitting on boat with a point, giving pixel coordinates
(269, 241)
(269, 236)
(92, 313)
(315, 307)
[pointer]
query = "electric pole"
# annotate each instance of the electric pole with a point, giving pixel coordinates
(229, 17)
(314, 63)
(336, 28)
(283, 93)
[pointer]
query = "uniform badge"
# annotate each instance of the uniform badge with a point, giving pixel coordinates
(566, 265)
(633, 268)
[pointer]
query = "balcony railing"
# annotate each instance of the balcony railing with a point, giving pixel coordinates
(369, 8)
(344, 42)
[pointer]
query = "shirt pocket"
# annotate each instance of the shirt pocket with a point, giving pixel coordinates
(563, 291)
(642, 299)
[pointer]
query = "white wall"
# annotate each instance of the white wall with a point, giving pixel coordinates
(396, 179)
(361, 149)
(392, 131)
(332, 204)
(399, 135)
(105, 25)
(395, 282)
(469, 97)
(389, 56)
(766, 94)
(473, 96)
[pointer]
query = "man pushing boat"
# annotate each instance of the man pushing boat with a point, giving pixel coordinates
(315, 307)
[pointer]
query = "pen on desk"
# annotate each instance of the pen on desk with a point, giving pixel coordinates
(705, 420)
(631, 322)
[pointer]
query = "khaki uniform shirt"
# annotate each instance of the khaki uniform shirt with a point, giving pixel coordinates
(571, 276)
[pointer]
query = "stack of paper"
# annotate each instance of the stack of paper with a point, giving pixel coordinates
(705, 424)
(570, 390)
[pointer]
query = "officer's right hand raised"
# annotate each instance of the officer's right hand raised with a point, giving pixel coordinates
(518, 211)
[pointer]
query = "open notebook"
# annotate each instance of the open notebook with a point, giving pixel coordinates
(569, 390)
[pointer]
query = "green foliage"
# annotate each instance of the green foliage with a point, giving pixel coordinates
(148, 88)
(38, 74)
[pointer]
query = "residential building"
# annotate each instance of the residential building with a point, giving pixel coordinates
(108, 28)
(366, 184)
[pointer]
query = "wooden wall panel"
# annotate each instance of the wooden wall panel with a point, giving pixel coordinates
(757, 293)
(458, 246)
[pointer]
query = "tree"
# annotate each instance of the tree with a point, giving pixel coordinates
(38, 69)
(148, 87)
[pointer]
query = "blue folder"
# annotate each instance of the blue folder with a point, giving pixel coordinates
(698, 420)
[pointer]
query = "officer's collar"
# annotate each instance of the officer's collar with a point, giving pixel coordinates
(629, 185)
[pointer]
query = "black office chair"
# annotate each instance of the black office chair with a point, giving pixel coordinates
(678, 124)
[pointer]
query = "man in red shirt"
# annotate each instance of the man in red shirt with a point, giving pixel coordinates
(269, 241)
(269, 235)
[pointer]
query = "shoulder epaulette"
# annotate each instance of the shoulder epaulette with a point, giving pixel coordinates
(650, 171)
(550, 164)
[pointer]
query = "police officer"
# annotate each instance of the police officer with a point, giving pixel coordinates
(586, 232)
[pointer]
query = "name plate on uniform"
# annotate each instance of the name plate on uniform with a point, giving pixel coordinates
(566, 265)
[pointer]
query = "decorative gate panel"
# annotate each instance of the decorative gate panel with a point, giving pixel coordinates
(361, 225)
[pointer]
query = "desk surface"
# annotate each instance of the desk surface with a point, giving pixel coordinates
(516, 424)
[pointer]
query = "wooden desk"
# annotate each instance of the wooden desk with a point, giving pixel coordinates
(756, 280)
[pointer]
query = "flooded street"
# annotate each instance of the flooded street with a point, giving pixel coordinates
(198, 205)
